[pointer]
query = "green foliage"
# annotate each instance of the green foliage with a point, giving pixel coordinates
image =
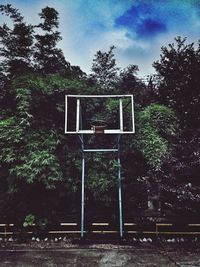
(178, 69)
(29, 140)
(37, 160)
(37, 156)
(104, 70)
(155, 125)
(40, 224)
(102, 175)
(178, 87)
(16, 50)
(129, 83)
(48, 58)
(31, 155)
(29, 220)
(50, 17)
(11, 136)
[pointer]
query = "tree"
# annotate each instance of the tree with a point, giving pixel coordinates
(156, 125)
(36, 155)
(32, 145)
(129, 83)
(179, 71)
(49, 58)
(178, 87)
(16, 44)
(104, 70)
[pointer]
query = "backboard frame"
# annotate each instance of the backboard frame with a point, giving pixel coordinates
(106, 131)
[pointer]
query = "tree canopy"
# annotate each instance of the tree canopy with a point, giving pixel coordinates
(39, 163)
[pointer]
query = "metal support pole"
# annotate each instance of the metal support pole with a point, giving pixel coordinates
(77, 115)
(82, 194)
(101, 150)
(121, 114)
(80, 123)
(120, 191)
(82, 186)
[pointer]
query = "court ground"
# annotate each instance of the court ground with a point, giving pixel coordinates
(99, 256)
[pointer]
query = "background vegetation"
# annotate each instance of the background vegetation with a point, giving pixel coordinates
(40, 165)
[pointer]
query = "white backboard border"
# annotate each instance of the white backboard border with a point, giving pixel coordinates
(106, 131)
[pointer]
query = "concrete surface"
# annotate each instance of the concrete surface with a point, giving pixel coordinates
(97, 258)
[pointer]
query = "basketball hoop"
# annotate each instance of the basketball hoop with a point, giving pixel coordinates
(98, 129)
(98, 125)
(119, 121)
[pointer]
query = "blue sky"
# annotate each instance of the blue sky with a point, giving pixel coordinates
(137, 28)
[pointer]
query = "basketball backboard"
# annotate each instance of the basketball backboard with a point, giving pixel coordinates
(81, 111)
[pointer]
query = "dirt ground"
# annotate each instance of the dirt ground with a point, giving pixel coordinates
(99, 255)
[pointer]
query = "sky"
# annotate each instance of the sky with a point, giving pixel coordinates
(137, 28)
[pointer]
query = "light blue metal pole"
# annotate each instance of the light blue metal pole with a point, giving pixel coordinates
(83, 174)
(101, 150)
(82, 195)
(120, 192)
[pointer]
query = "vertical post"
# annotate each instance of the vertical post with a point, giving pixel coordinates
(121, 114)
(79, 124)
(120, 192)
(133, 121)
(82, 194)
(66, 104)
(77, 114)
